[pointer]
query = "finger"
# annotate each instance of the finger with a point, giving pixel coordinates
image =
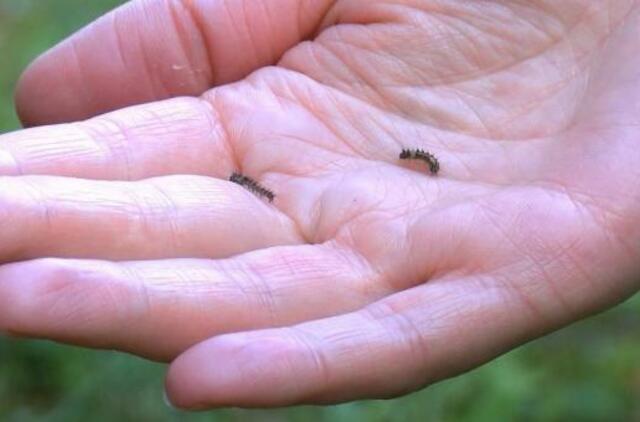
(170, 217)
(389, 348)
(159, 308)
(178, 136)
(155, 49)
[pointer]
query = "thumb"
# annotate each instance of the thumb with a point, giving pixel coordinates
(148, 50)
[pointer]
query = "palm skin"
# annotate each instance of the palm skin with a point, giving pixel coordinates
(367, 277)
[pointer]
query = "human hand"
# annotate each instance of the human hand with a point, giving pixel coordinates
(366, 277)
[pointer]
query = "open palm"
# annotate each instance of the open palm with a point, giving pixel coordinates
(367, 276)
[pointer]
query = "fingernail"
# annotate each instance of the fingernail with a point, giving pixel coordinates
(8, 163)
(167, 401)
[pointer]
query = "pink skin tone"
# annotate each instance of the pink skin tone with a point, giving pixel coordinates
(367, 277)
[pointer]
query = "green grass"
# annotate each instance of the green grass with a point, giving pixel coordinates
(588, 372)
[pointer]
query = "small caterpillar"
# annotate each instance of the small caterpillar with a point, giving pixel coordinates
(252, 186)
(427, 157)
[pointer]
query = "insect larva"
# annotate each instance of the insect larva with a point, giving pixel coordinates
(427, 157)
(252, 186)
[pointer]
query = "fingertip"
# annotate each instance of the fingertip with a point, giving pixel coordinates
(195, 379)
(178, 390)
(45, 92)
(236, 370)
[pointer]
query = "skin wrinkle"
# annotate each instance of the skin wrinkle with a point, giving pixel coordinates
(269, 21)
(315, 111)
(306, 105)
(172, 213)
(349, 235)
(115, 27)
(202, 35)
(588, 202)
(316, 355)
(577, 267)
(40, 200)
(535, 104)
(597, 212)
(373, 105)
(150, 79)
(320, 170)
(217, 124)
(326, 120)
(513, 240)
(228, 142)
(390, 316)
(338, 341)
(373, 202)
(561, 84)
(538, 54)
(247, 28)
(550, 41)
(368, 276)
(198, 70)
(260, 290)
(56, 287)
(137, 219)
(143, 295)
(488, 72)
(217, 110)
(540, 274)
(346, 112)
(417, 234)
(75, 55)
(116, 146)
(320, 222)
(622, 240)
(543, 273)
(434, 270)
(391, 133)
(157, 86)
(63, 281)
(244, 30)
(362, 81)
(488, 133)
(313, 49)
(535, 311)
(507, 292)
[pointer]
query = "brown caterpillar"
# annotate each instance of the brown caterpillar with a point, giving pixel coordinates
(427, 157)
(252, 186)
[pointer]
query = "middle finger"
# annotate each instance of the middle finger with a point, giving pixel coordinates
(168, 217)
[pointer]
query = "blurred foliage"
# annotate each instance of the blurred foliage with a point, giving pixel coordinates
(588, 372)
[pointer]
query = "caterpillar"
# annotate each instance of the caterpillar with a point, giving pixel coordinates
(427, 157)
(252, 185)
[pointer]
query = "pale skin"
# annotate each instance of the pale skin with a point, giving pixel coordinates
(366, 277)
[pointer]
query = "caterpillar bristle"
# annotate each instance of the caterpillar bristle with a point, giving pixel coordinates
(252, 186)
(419, 154)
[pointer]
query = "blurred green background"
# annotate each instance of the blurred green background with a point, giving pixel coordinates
(589, 372)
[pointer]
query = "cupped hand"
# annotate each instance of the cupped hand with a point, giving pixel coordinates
(367, 276)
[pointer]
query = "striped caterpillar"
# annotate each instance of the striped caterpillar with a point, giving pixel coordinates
(252, 186)
(427, 157)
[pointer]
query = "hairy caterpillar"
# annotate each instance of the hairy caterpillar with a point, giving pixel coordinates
(252, 186)
(427, 157)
